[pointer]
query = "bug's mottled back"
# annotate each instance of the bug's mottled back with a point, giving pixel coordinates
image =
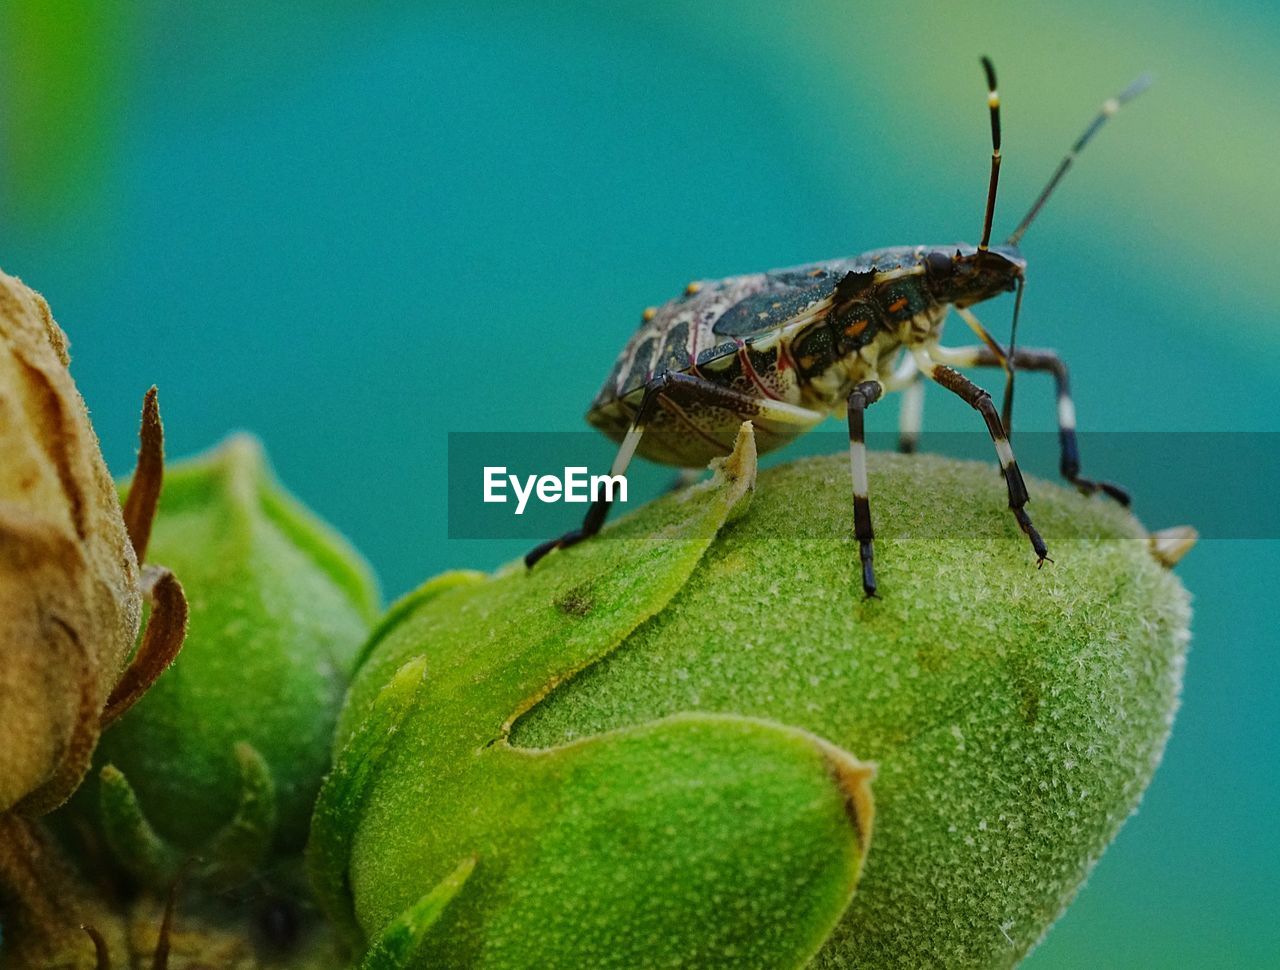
(714, 319)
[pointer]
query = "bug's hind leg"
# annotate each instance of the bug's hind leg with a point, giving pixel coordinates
(591, 524)
(862, 397)
(695, 420)
(593, 521)
(906, 378)
(980, 401)
(1069, 450)
(911, 416)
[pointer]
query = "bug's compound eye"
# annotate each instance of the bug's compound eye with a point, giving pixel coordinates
(938, 264)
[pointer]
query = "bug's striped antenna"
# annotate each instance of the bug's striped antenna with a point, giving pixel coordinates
(1109, 108)
(993, 105)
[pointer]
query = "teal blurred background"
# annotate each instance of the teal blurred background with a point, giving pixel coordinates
(353, 228)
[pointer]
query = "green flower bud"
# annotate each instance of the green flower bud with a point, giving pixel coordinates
(223, 757)
(641, 753)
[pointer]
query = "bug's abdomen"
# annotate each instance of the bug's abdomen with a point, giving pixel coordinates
(678, 336)
(688, 426)
(772, 339)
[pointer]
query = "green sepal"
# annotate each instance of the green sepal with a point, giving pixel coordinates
(400, 942)
(244, 842)
(706, 840)
(343, 794)
(232, 854)
(140, 850)
(561, 619)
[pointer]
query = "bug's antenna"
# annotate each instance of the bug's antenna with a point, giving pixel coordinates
(1109, 107)
(993, 104)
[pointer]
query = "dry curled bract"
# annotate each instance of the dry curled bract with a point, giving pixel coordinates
(70, 596)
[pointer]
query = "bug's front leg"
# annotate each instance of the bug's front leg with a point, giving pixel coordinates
(1069, 451)
(980, 400)
(860, 398)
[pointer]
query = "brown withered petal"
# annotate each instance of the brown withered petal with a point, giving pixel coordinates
(144, 494)
(101, 948)
(70, 599)
(161, 641)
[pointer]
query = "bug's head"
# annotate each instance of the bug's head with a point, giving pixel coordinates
(964, 275)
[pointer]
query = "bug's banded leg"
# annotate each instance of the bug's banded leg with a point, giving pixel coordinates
(911, 416)
(1069, 450)
(599, 510)
(860, 398)
(980, 401)
(906, 378)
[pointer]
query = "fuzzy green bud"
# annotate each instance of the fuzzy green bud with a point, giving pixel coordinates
(223, 757)
(631, 755)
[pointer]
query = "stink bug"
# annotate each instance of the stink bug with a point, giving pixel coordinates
(786, 348)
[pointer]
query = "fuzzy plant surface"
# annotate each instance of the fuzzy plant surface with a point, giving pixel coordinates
(223, 758)
(635, 755)
(627, 849)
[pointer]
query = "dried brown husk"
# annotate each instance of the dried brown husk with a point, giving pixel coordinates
(70, 595)
(71, 592)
